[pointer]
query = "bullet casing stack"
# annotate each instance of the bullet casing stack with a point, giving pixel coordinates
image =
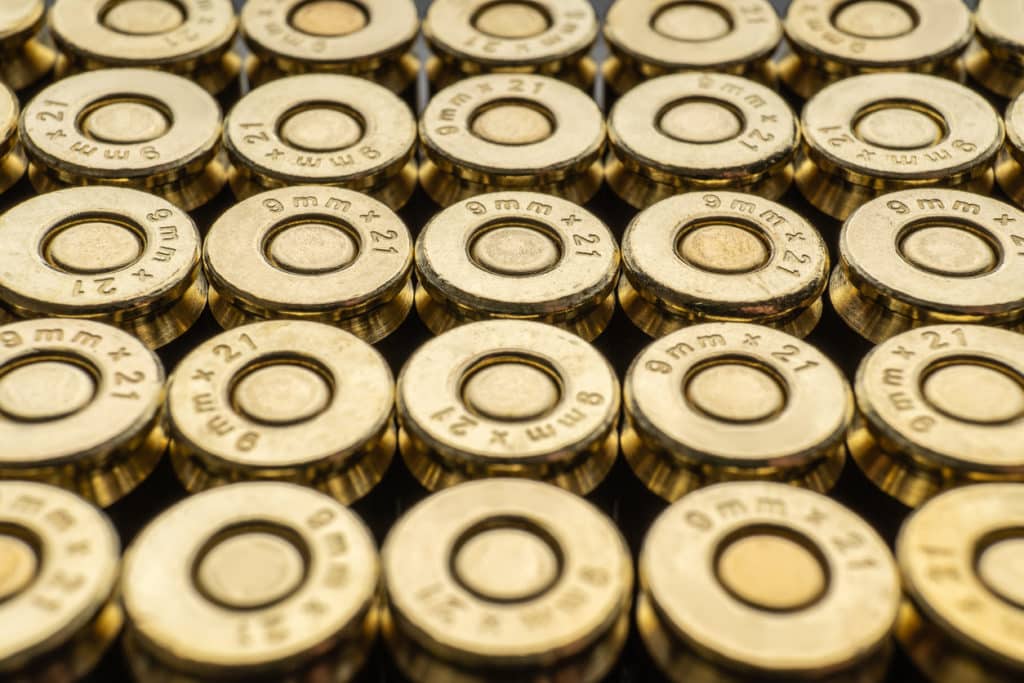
(659, 302)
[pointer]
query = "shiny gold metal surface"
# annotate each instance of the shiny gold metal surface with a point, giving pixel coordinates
(734, 401)
(868, 135)
(111, 254)
(698, 131)
(12, 156)
(960, 557)
(506, 580)
(761, 581)
(511, 132)
(653, 38)
(138, 128)
(722, 256)
(508, 398)
(996, 57)
(371, 39)
(548, 37)
(311, 253)
(79, 404)
(1010, 166)
(834, 39)
(59, 566)
(520, 255)
(26, 51)
(939, 407)
(922, 257)
(256, 581)
(323, 129)
(191, 38)
(283, 400)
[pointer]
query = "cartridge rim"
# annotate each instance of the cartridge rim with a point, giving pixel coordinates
(127, 127)
(900, 253)
(963, 525)
(12, 156)
(996, 57)
(126, 262)
(688, 423)
(967, 130)
(1015, 124)
(565, 275)
(21, 17)
(28, 51)
(944, 401)
(104, 424)
(190, 129)
(1009, 170)
(642, 135)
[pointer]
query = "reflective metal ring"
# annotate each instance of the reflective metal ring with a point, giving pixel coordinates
(725, 401)
(314, 253)
(138, 128)
(282, 400)
(748, 580)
